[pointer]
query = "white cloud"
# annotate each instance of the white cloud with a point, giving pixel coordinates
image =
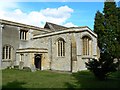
(38, 18)
(70, 24)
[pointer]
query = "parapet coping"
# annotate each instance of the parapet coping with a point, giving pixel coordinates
(70, 30)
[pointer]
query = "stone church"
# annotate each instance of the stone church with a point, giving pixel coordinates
(53, 47)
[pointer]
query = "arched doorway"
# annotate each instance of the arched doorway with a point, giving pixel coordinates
(37, 61)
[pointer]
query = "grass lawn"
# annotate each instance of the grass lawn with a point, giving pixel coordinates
(12, 78)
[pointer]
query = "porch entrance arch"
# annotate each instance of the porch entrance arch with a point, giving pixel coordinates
(37, 61)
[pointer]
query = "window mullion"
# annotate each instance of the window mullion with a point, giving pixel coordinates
(25, 35)
(88, 46)
(85, 46)
(58, 48)
(22, 35)
(63, 48)
(6, 52)
(3, 53)
(9, 52)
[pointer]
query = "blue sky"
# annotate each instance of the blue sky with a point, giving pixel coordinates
(63, 13)
(82, 15)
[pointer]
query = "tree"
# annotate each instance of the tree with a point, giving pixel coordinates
(118, 37)
(107, 27)
(111, 27)
(101, 68)
(110, 14)
(118, 31)
(99, 27)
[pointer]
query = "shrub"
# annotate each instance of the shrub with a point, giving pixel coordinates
(16, 67)
(101, 68)
(26, 69)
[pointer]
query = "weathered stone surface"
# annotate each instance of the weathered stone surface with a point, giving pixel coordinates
(33, 69)
(21, 65)
(44, 43)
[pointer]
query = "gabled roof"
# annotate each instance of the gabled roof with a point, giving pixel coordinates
(12, 23)
(49, 28)
(54, 27)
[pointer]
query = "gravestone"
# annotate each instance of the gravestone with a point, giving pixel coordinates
(21, 65)
(33, 68)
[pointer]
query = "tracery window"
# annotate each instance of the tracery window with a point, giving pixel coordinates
(61, 47)
(87, 45)
(23, 34)
(7, 52)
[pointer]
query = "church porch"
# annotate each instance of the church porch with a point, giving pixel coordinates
(32, 57)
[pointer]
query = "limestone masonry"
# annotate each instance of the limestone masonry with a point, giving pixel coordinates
(53, 47)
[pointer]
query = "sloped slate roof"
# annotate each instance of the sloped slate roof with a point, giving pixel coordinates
(25, 26)
(54, 27)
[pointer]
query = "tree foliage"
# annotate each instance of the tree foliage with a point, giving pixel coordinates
(99, 27)
(107, 26)
(100, 68)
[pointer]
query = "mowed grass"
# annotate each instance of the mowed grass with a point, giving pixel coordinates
(38, 79)
(12, 78)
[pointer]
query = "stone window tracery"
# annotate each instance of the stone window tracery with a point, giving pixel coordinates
(87, 45)
(7, 52)
(61, 47)
(23, 34)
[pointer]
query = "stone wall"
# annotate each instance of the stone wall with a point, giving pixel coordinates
(65, 63)
(81, 59)
(10, 36)
(73, 60)
(56, 62)
(1, 26)
(61, 63)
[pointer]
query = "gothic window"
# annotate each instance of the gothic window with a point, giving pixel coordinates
(23, 34)
(7, 52)
(87, 45)
(21, 57)
(61, 47)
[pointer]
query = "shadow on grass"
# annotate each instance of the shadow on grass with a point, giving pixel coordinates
(86, 80)
(15, 85)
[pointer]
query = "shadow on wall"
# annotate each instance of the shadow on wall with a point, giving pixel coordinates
(14, 85)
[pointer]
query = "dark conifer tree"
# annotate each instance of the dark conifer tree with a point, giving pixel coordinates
(99, 27)
(111, 27)
(107, 27)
